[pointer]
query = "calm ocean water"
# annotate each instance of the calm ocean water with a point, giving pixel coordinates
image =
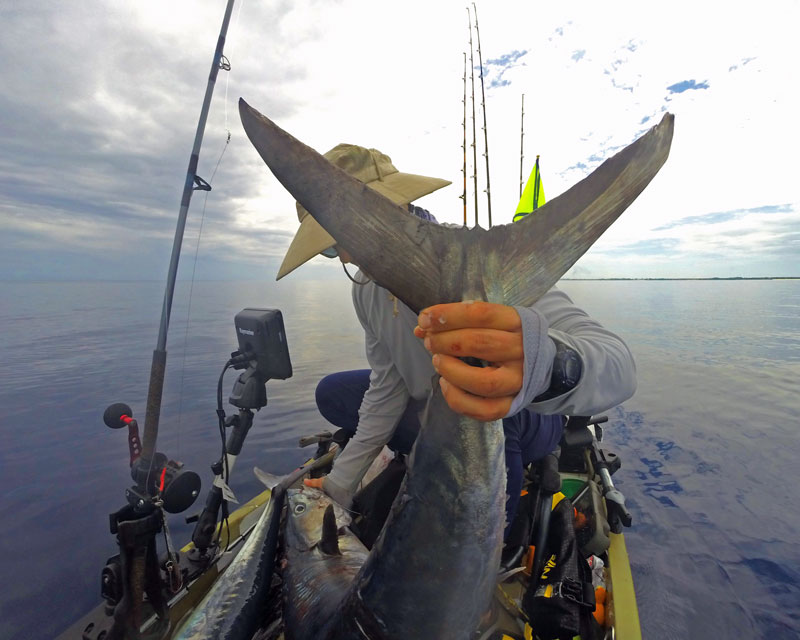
(709, 444)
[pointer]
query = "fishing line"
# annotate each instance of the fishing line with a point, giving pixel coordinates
(227, 67)
(228, 77)
(191, 291)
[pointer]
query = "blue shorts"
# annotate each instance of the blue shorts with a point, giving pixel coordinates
(529, 436)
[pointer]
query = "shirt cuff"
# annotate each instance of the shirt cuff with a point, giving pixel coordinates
(539, 349)
(342, 496)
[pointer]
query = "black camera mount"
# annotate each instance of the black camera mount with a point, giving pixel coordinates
(263, 354)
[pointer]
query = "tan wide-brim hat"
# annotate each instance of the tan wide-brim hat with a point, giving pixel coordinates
(373, 168)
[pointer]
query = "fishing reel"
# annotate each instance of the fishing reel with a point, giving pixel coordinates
(176, 487)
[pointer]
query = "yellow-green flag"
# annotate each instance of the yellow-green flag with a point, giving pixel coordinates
(532, 196)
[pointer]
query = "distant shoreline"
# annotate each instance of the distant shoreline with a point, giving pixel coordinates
(671, 279)
(77, 281)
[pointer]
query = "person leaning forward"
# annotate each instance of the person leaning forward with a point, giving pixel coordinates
(546, 361)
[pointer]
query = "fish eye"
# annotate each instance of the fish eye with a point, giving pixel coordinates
(299, 508)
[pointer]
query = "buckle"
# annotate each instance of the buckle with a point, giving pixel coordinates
(568, 589)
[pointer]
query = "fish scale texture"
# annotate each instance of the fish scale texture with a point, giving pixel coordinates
(432, 571)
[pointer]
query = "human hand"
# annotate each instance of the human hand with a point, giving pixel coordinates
(490, 332)
(316, 483)
(341, 496)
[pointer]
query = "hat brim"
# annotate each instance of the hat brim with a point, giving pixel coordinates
(311, 238)
(402, 188)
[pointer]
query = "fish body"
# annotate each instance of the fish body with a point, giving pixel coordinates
(234, 606)
(322, 558)
(432, 571)
(231, 609)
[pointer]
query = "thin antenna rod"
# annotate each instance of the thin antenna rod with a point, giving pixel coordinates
(464, 145)
(485, 131)
(521, 143)
(474, 145)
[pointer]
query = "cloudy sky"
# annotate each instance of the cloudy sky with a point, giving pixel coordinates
(99, 104)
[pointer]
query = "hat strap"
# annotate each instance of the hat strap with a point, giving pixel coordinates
(344, 266)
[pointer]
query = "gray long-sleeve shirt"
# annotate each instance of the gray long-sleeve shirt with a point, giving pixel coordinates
(402, 370)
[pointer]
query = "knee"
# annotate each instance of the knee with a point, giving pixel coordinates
(324, 390)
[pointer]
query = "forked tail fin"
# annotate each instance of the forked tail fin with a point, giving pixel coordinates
(423, 263)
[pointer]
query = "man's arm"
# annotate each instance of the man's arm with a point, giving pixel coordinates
(381, 409)
(520, 345)
(608, 370)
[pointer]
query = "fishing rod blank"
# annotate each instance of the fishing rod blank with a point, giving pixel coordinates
(485, 128)
(464, 144)
(474, 145)
(521, 143)
(193, 182)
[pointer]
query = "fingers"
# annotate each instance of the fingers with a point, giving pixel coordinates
(486, 344)
(483, 409)
(460, 315)
(490, 381)
(314, 482)
(489, 332)
(483, 330)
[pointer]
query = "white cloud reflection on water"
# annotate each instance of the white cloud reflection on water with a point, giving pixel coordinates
(707, 443)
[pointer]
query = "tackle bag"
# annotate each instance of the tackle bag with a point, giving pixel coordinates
(561, 603)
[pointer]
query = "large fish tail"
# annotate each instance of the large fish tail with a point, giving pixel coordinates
(423, 263)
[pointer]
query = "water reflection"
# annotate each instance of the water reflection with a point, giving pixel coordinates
(708, 444)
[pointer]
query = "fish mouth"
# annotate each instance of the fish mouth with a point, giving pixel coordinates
(423, 263)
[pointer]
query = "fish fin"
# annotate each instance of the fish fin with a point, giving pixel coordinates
(531, 255)
(329, 543)
(267, 479)
(371, 228)
(423, 263)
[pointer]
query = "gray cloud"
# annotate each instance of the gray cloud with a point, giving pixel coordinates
(724, 216)
(97, 134)
(654, 246)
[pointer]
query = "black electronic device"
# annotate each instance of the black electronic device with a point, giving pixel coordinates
(264, 355)
(262, 336)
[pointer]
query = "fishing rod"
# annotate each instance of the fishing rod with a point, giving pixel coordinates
(464, 144)
(193, 182)
(133, 577)
(521, 143)
(474, 141)
(485, 128)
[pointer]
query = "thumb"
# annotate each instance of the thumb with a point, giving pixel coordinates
(314, 482)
